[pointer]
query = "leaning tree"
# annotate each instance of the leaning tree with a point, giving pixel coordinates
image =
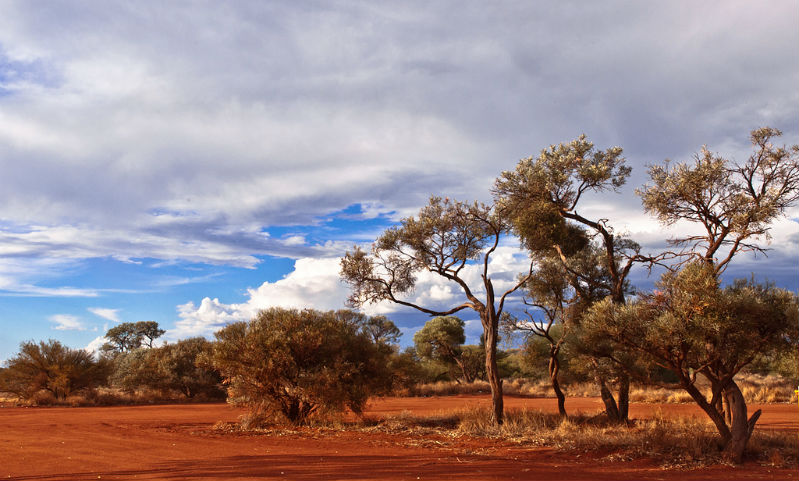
(451, 240)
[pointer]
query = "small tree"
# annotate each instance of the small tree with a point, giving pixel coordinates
(51, 366)
(180, 368)
(171, 367)
(149, 332)
(381, 330)
(297, 363)
(441, 339)
(735, 205)
(691, 326)
(443, 239)
(547, 293)
(132, 335)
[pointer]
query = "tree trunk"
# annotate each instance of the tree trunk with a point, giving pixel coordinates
(554, 368)
(468, 379)
(624, 396)
(709, 409)
(492, 371)
(611, 409)
(741, 428)
(727, 412)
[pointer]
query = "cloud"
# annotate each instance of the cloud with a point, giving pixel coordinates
(315, 283)
(273, 124)
(66, 322)
(109, 314)
(95, 345)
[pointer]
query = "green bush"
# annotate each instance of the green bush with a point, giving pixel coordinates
(51, 368)
(172, 368)
(299, 363)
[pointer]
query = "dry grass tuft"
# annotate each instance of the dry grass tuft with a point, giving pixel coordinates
(758, 388)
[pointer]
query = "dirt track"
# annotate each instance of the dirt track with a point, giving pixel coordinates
(175, 442)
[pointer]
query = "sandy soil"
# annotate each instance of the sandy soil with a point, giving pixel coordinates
(176, 442)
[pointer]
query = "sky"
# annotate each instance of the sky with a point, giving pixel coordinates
(193, 162)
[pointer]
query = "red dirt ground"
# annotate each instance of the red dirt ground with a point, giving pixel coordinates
(171, 442)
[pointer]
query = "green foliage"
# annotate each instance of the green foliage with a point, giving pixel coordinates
(297, 363)
(541, 194)
(132, 335)
(440, 338)
(380, 329)
(50, 366)
(692, 326)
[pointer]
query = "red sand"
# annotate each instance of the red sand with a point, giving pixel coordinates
(175, 442)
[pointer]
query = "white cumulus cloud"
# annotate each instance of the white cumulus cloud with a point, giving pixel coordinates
(106, 313)
(66, 322)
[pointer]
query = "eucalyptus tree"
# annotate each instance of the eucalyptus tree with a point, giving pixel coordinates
(449, 239)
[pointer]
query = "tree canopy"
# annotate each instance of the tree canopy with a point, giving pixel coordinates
(132, 335)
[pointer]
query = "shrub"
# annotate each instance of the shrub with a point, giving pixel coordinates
(298, 363)
(53, 368)
(169, 368)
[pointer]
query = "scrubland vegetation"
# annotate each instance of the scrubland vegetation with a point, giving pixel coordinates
(585, 330)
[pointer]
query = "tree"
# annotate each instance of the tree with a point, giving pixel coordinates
(131, 335)
(735, 204)
(298, 363)
(691, 326)
(171, 367)
(444, 239)
(541, 197)
(50, 366)
(441, 339)
(380, 329)
(547, 292)
(148, 330)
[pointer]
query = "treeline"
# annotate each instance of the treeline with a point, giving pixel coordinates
(48, 372)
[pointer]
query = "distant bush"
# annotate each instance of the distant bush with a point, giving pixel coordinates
(296, 363)
(172, 368)
(49, 370)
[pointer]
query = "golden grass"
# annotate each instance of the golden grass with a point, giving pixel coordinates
(755, 388)
(672, 440)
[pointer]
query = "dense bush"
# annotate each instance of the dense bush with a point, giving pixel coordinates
(169, 368)
(297, 363)
(53, 368)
